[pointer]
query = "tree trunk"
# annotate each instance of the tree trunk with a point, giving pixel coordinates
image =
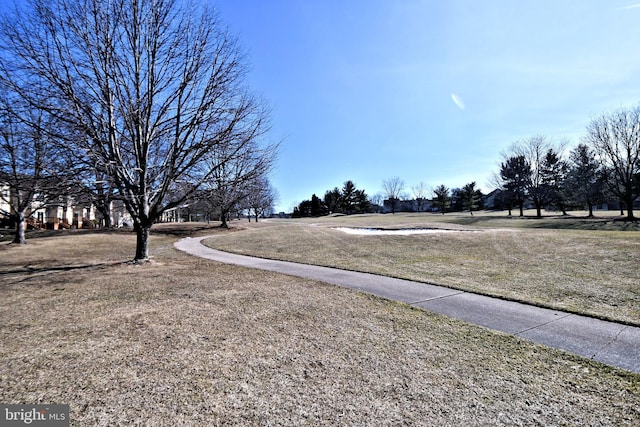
(19, 237)
(223, 218)
(629, 202)
(142, 242)
(521, 205)
(106, 215)
(590, 210)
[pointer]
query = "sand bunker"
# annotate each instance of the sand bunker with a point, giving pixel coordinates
(399, 232)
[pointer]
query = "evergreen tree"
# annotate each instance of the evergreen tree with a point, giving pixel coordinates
(471, 197)
(442, 199)
(363, 205)
(515, 174)
(317, 206)
(554, 175)
(332, 200)
(585, 184)
(348, 197)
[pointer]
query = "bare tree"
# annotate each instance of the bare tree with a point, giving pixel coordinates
(261, 198)
(152, 86)
(421, 194)
(616, 139)
(376, 200)
(236, 172)
(102, 194)
(30, 170)
(534, 150)
(392, 189)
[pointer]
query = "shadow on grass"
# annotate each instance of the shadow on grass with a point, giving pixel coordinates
(182, 229)
(186, 229)
(8, 235)
(33, 272)
(553, 222)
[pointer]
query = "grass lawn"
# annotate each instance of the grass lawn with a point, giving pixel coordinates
(186, 341)
(586, 266)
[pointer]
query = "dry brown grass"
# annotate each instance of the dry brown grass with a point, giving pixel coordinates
(185, 341)
(570, 268)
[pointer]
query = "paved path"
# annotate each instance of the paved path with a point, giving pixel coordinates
(606, 342)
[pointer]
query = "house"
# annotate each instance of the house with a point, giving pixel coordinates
(62, 213)
(413, 205)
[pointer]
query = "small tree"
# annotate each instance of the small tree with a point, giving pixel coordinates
(471, 197)
(515, 174)
(585, 184)
(441, 199)
(376, 200)
(421, 194)
(317, 206)
(554, 176)
(332, 200)
(392, 189)
(262, 197)
(304, 209)
(534, 151)
(30, 170)
(456, 200)
(103, 194)
(235, 172)
(348, 197)
(362, 202)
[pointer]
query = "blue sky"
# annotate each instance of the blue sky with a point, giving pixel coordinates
(428, 90)
(431, 90)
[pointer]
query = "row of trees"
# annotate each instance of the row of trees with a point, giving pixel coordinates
(348, 200)
(134, 100)
(351, 200)
(233, 195)
(468, 198)
(605, 167)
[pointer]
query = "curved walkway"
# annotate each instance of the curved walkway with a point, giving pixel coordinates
(607, 342)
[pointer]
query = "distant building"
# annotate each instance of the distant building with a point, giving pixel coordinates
(407, 206)
(62, 213)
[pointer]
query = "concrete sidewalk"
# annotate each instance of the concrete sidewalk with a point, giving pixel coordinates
(607, 342)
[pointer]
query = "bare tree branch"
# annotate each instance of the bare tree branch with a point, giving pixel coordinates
(152, 86)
